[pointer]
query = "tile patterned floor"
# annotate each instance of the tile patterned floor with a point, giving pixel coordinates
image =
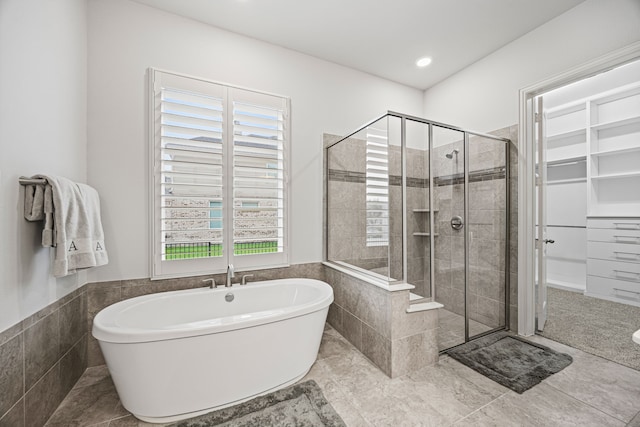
(451, 329)
(590, 392)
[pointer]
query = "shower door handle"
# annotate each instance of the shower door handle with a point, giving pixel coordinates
(456, 222)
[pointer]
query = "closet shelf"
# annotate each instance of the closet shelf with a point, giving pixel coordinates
(616, 123)
(568, 134)
(566, 181)
(614, 152)
(565, 109)
(567, 161)
(616, 176)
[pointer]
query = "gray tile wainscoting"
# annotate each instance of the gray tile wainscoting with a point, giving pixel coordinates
(375, 321)
(42, 357)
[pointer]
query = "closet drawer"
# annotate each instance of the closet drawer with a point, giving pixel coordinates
(615, 223)
(613, 251)
(613, 289)
(624, 271)
(613, 235)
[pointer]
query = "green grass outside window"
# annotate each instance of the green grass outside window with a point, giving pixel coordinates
(186, 251)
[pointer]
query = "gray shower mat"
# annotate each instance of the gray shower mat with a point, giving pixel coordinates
(510, 360)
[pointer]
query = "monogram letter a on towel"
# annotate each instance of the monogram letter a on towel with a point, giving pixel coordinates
(72, 225)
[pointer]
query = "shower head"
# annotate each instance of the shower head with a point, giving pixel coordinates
(450, 155)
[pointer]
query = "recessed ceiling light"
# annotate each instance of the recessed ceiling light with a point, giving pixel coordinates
(423, 62)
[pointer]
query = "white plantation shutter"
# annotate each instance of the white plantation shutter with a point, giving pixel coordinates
(191, 173)
(258, 175)
(219, 176)
(377, 187)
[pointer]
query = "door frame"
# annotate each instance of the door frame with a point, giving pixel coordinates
(541, 213)
(526, 158)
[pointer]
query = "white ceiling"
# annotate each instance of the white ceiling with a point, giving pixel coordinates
(380, 37)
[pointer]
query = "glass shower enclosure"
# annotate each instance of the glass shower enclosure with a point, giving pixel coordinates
(410, 200)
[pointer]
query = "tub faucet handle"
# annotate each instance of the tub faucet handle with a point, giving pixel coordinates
(212, 285)
(244, 278)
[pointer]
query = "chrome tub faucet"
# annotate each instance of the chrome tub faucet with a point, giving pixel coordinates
(230, 275)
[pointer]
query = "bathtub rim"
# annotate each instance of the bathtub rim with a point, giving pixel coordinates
(105, 329)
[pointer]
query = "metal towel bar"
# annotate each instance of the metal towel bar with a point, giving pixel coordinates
(32, 181)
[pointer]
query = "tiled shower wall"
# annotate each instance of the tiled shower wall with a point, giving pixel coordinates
(417, 202)
(347, 213)
(487, 229)
(347, 208)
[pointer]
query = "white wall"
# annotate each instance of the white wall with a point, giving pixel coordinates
(484, 96)
(42, 130)
(125, 38)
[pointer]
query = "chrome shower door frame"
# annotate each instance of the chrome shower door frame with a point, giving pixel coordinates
(466, 133)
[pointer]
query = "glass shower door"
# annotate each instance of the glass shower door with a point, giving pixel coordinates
(470, 245)
(487, 181)
(448, 163)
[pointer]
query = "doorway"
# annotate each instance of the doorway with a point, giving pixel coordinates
(584, 137)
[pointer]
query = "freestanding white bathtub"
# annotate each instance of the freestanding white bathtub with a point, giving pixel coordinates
(176, 355)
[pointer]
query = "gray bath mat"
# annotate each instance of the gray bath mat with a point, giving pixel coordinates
(299, 405)
(511, 361)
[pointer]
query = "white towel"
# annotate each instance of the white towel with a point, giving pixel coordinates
(71, 213)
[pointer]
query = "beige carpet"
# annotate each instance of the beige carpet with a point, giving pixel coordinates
(597, 326)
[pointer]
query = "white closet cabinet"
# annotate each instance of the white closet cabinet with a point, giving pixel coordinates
(613, 263)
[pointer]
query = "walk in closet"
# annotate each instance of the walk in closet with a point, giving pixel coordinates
(592, 136)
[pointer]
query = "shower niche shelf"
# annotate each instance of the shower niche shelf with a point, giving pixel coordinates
(428, 212)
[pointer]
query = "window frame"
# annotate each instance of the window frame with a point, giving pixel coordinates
(162, 269)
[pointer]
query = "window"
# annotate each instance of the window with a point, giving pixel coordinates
(218, 170)
(377, 187)
(216, 214)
